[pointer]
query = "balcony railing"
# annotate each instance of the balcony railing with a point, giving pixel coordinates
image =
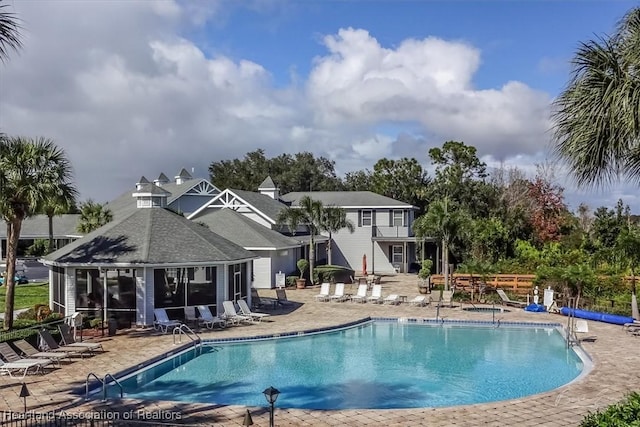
(379, 231)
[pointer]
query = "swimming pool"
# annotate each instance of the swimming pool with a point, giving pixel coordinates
(379, 364)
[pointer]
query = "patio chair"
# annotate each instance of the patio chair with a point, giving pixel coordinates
(162, 322)
(246, 311)
(208, 319)
(582, 327)
(435, 296)
(282, 297)
(231, 315)
(419, 300)
(69, 341)
(392, 299)
(51, 345)
(338, 293)
(361, 295)
(262, 302)
(10, 356)
(30, 351)
(507, 301)
(324, 292)
(13, 367)
(376, 294)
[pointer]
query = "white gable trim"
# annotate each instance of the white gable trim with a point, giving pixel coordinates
(228, 199)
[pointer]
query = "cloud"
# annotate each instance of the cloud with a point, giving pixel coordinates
(121, 87)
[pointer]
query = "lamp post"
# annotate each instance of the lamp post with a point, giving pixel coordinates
(271, 394)
(24, 393)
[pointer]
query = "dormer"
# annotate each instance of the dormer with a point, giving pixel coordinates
(161, 180)
(183, 176)
(142, 182)
(151, 196)
(268, 188)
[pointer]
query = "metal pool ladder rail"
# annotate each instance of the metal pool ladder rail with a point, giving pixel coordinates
(104, 383)
(185, 330)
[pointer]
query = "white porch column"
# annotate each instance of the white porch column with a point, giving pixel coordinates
(145, 296)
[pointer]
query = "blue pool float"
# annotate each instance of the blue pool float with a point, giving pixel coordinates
(594, 315)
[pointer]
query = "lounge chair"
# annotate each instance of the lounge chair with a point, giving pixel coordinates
(392, 299)
(419, 300)
(190, 316)
(581, 326)
(361, 295)
(30, 351)
(52, 345)
(282, 299)
(10, 356)
(507, 301)
(435, 296)
(231, 315)
(324, 292)
(338, 293)
(13, 367)
(447, 298)
(259, 302)
(632, 328)
(246, 311)
(162, 322)
(68, 340)
(376, 294)
(208, 319)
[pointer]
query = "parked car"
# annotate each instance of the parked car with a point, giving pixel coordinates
(19, 278)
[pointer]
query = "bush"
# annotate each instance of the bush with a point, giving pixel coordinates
(425, 271)
(303, 265)
(332, 273)
(290, 281)
(40, 247)
(625, 413)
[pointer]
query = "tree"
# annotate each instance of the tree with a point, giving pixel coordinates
(445, 224)
(93, 216)
(358, 180)
(628, 243)
(310, 214)
(597, 117)
(9, 32)
(58, 204)
(31, 170)
(334, 219)
(402, 180)
(548, 209)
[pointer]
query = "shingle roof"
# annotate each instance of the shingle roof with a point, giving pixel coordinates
(347, 199)
(244, 231)
(162, 178)
(150, 236)
(184, 174)
(267, 184)
(37, 227)
(261, 202)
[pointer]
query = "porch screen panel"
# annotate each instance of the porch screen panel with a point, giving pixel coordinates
(202, 289)
(58, 289)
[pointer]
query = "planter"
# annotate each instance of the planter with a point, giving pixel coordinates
(301, 283)
(423, 289)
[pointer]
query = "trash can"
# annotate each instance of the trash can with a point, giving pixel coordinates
(113, 326)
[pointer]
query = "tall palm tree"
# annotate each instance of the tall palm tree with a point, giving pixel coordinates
(309, 214)
(445, 224)
(335, 219)
(58, 204)
(597, 117)
(93, 216)
(9, 32)
(30, 171)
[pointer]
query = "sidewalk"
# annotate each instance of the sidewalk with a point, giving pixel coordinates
(15, 313)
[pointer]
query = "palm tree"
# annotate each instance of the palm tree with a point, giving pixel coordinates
(58, 204)
(93, 216)
(309, 213)
(335, 219)
(597, 117)
(9, 32)
(30, 171)
(445, 224)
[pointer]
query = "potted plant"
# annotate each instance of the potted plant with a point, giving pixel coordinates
(302, 264)
(425, 276)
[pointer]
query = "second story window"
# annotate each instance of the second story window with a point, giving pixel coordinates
(398, 218)
(367, 219)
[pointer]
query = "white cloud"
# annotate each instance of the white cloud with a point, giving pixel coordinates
(120, 88)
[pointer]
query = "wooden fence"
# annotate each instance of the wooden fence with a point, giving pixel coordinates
(517, 283)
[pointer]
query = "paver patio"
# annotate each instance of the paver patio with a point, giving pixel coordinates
(615, 354)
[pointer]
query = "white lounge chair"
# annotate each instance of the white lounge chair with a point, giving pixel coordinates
(208, 319)
(376, 294)
(420, 300)
(231, 315)
(13, 367)
(507, 301)
(324, 292)
(581, 326)
(435, 296)
(392, 299)
(361, 295)
(162, 322)
(338, 294)
(10, 355)
(246, 311)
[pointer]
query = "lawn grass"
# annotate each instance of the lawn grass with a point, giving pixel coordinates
(27, 295)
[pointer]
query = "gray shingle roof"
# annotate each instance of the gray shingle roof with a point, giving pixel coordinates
(150, 236)
(244, 231)
(37, 227)
(184, 174)
(347, 199)
(162, 178)
(263, 203)
(267, 184)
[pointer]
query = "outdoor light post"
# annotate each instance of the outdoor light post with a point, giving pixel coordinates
(271, 394)
(24, 393)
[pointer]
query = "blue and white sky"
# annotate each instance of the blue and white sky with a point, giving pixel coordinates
(132, 88)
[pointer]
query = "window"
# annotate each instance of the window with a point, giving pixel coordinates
(177, 287)
(398, 218)
(237, 282)
(396, 255)
(367, 219)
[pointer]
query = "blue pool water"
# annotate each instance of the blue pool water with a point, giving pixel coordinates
(375, 365)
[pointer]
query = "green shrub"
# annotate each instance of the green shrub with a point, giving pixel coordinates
(303, 265)
(290, 281)
(40, 247)
(425, 271)
(332, 273)
(625, 413)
